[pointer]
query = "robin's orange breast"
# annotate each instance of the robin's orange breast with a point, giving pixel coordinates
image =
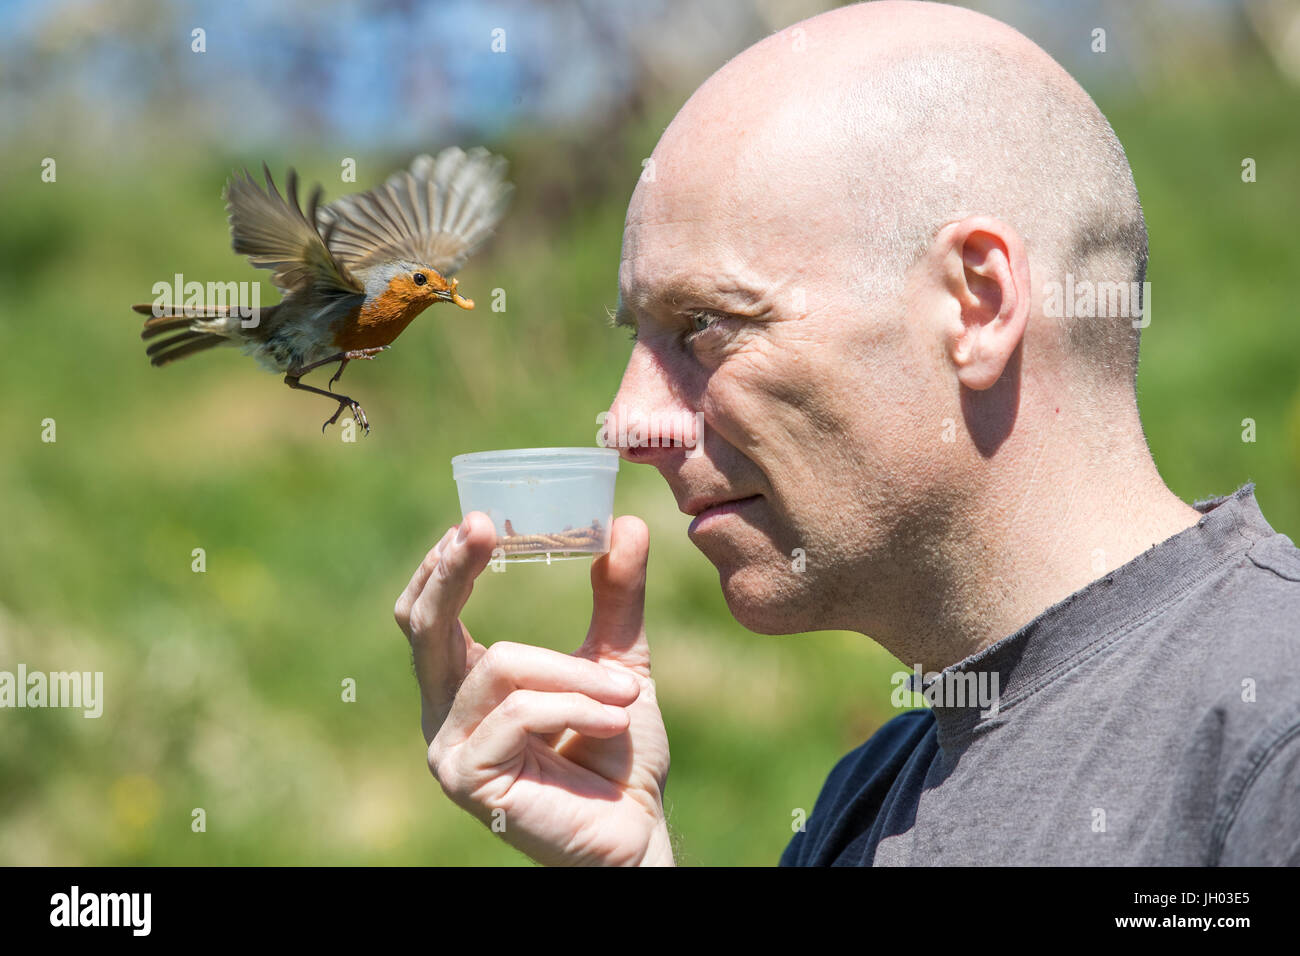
(378, 322)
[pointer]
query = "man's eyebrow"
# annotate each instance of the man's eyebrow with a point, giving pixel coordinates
(726, 297)
(725, 292)
(731, 296)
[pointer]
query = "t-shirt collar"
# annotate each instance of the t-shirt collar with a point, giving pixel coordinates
(974, 694)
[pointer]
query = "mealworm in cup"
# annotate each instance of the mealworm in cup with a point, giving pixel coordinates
(547, 504)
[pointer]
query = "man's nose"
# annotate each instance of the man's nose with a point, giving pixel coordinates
(649, 419)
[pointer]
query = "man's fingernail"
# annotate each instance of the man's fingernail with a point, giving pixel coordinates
(623, 682)
(462, 533)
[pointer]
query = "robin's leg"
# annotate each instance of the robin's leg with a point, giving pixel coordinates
(358, 413)
(342, 358)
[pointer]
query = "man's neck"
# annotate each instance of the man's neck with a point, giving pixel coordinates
(1015, 556)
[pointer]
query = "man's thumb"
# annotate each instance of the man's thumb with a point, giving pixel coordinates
(617, 629)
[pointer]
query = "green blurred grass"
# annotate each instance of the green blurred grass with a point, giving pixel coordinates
(223, 688)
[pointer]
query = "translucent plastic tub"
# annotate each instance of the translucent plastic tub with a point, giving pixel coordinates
(548, 504)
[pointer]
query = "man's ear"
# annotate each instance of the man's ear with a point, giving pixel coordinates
(986, 271)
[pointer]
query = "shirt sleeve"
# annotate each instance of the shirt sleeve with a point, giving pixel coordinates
(1265, 830)
(853, 793)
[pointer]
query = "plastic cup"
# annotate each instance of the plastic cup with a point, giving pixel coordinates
(548, 504)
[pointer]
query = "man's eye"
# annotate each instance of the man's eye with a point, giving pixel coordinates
(701, 321)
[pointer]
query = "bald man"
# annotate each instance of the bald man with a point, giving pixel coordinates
(850, 264)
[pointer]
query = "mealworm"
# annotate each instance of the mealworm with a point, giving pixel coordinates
(578, 539)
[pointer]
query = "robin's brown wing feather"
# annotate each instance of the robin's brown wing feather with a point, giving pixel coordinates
(275, 235)
(437, 213)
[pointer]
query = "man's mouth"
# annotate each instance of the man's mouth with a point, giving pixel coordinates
(709, 511)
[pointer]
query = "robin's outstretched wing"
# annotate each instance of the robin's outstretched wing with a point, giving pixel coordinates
(437, 213)
(275, 235)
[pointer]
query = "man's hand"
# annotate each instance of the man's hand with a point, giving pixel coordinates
(571, 747)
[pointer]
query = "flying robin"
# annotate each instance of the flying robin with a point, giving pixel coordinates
(352, 274)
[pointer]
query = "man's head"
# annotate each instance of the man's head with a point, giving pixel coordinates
(840, 260)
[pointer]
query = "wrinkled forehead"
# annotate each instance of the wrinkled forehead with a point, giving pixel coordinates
(682, 230)
(740, 199)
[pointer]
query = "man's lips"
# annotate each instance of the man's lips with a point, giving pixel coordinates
(705, 510)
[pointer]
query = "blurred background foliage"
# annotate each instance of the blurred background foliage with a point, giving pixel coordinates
(223, 689)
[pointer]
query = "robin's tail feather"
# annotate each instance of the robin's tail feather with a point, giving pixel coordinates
(199, 327)
(179, 346)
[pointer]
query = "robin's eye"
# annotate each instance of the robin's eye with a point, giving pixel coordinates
(420, 278)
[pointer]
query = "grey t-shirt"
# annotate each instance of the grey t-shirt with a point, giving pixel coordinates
(1152, 718)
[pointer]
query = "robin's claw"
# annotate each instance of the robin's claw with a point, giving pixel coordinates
(333, 418)
(359, 415)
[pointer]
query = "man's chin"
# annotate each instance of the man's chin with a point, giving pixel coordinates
(761, 601)
(766, 591)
